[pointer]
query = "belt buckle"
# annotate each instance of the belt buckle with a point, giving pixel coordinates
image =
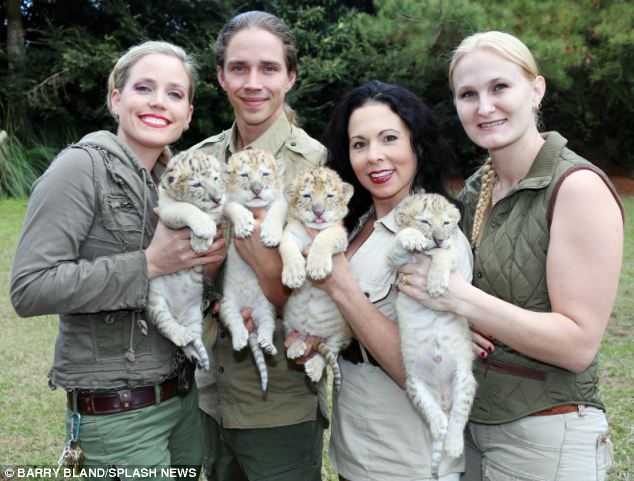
(125, 397)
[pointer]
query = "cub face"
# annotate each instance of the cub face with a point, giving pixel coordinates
(319, 198)
(254, 178)
(195, 177)
(431, 214)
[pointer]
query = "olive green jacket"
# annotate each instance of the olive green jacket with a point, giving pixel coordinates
(510, 263)
(231, 392)
(80, 255)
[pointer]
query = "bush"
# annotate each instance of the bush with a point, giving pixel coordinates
(21, 165)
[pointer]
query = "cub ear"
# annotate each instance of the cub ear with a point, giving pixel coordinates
(347, 192)
(291, 191)
(401, 216)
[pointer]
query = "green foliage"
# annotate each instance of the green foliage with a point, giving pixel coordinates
(585, 49)
(20, 166)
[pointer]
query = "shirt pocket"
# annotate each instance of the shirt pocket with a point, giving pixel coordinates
(382, 293)
(112, 335)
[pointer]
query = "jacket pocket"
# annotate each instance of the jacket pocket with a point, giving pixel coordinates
(112, 336)
(120, 213)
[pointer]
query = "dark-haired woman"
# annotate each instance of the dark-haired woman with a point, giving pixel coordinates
(384, 140)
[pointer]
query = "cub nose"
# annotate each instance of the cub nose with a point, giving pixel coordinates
(318, 209)
(256, 187)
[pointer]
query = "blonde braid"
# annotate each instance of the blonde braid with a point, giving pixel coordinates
(484, 200)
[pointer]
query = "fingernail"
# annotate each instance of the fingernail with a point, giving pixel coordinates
(490, 349)
(483, 354)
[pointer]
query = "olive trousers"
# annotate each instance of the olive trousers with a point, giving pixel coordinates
(162, 441)
(286, 453)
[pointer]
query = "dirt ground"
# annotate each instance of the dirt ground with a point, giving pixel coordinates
(624, 185)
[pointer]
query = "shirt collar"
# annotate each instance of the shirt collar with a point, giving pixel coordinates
(272, 140)
(388, 221)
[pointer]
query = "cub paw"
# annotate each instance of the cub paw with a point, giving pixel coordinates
(318, 267)
(206, 230)
(314, 368)
(294, 274)
(270, 233)
(239, 338)
(266, 343)
(437, 283)
(180, 336)
(244, 225)
(200, 244)
(454, 443)
(297, 349)
(413, 241)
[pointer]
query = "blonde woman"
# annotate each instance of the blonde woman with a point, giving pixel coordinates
(546, 228)
(90, 245)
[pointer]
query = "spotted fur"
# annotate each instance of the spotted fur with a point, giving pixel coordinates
(191, 194)
(254, 180)
(318, 202)
(436, 346)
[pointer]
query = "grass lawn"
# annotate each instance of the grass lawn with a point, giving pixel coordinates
(31, 426)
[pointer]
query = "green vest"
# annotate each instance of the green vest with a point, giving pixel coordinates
(510, 263)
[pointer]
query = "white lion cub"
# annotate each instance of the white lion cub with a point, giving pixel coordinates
(436, 346)
(254, 180)
(318, 201)
(191, 194)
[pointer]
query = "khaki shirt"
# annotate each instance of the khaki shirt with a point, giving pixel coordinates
(230, 390)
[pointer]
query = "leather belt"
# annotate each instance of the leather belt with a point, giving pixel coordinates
(122, 400)
(564, 409)
(354, 355)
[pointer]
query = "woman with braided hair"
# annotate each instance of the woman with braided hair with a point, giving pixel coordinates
(546, 228)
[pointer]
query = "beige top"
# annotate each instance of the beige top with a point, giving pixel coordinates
(377, 435)
(230, 390)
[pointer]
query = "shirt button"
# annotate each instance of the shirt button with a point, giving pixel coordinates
(479, 275)
(221, 370)
(293, 144)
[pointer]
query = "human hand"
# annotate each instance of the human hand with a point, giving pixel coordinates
(170, 251)
(482, 344)
(412, 281)
(340, 277)
(249, 323)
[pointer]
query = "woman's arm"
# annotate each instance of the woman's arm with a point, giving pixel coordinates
(377, 333)
(582, 267)
(48, 275)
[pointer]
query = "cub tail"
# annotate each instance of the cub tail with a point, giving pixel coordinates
(331, 359)
(436, 456)
(260, 362)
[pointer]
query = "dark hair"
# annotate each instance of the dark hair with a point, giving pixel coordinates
(257, 19)
(434, 158)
